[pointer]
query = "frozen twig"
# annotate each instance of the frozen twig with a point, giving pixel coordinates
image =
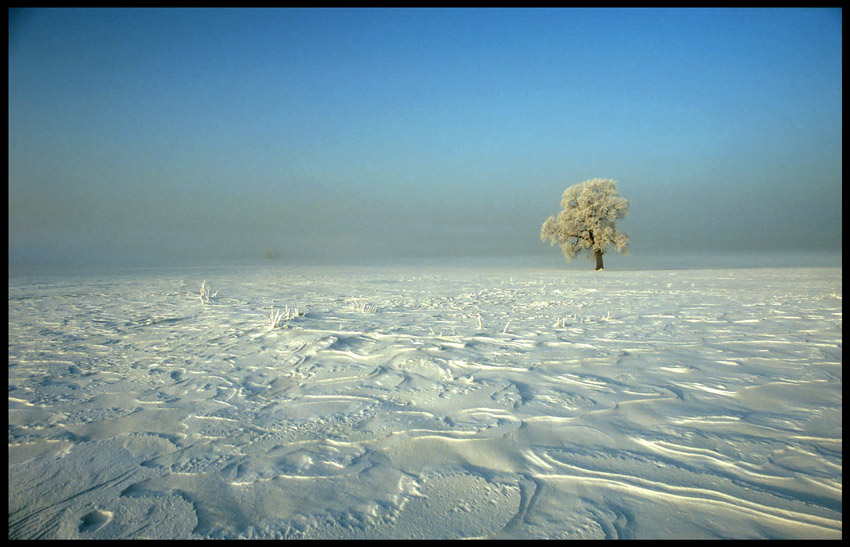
(206, 293)
(560, 323)
(292, 313)
(278, 317)
(275, 317)
(362, 307)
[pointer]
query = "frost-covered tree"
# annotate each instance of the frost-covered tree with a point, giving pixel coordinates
(587, 221)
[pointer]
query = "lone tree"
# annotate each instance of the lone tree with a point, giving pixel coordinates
(587, 221)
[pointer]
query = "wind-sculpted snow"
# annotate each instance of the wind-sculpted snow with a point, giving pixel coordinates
(426, 403)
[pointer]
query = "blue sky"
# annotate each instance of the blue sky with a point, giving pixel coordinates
(167, 136)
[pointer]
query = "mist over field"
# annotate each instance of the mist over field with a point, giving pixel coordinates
(185, 136)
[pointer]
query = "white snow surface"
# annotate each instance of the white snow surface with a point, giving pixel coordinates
(441, 403)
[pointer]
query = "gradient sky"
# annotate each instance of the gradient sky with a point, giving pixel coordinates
(161, 136)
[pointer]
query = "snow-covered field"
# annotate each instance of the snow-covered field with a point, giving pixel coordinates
(426, 403)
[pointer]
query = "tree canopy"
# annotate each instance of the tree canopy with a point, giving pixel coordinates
(587, 221)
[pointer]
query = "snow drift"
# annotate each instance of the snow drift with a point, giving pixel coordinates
(463, 403)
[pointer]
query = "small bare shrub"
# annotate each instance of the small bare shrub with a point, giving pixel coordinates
(362, 307)
(278, 317)
(206, 293)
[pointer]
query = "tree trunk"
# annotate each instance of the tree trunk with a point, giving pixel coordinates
(598, 260)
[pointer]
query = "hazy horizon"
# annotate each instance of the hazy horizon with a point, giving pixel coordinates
(187, 136)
